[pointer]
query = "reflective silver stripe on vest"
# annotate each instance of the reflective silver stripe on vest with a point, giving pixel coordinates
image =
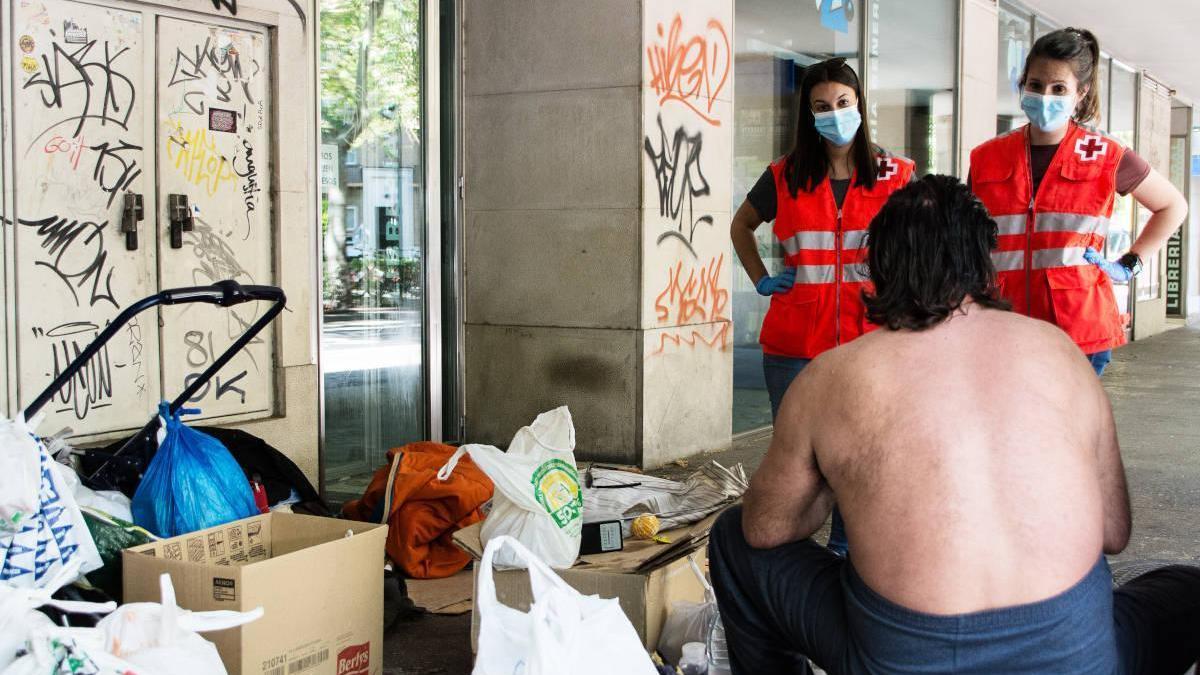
(1058, 257)
(1071, 222)
(810, 240)
(854, 239)
(856, 272)
(1011, 224)
(814, 274)
(1007, 261)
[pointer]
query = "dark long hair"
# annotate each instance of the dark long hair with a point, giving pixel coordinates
(929, 248)
(1081, 49)
(808, 162)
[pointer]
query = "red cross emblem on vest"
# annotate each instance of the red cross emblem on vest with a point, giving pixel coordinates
(1090, 147)
(887, 168)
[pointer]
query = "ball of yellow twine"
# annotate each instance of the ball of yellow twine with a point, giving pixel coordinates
(645, 526)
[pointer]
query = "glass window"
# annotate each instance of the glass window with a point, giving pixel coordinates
(1122, 124)
(373, 228)
(1041, 26)
(912, 68)
(1015, 41)
(775, 40)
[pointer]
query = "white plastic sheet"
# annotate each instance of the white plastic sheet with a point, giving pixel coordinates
(687, 621)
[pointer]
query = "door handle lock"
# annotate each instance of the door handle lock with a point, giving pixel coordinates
(179, 212)
(131, 214)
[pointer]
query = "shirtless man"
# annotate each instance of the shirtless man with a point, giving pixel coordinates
(973, 455)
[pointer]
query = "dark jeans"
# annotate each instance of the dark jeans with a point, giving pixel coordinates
(1100, 360)
(779, 372)
(800, 600)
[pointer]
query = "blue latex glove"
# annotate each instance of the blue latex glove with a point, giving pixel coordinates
(1116, 271)
(780, 283)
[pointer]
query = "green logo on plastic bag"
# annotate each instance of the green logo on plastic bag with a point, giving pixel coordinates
(556, 486)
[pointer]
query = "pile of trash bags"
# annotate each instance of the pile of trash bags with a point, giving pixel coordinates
(47, 544)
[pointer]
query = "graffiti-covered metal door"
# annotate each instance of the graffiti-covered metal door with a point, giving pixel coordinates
(82, 251)
(214, 208)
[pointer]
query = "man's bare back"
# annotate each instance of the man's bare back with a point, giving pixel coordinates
(972, 454)
(964, 458)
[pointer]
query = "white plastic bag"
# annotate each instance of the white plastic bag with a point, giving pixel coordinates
(687, 621)
(109, 502)
(55, 650)
(20, 474)
(563, 632)
(161, 639)
(20, 620)
(538, 500)
(55, 534)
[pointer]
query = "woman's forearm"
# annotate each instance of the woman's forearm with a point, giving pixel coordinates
(741, 231)
(1158, 230)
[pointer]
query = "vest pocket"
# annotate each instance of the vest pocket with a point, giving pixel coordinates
(1083, 303)
(789, 328)
(1081, 188)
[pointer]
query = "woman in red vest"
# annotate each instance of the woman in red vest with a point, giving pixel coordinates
(822, 195)
(1051, 186)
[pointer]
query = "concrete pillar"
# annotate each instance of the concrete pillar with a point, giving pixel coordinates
(598, 147)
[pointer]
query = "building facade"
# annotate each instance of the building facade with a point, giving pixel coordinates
(479, 210)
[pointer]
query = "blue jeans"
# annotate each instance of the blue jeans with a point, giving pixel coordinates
(1100, 360)
(779, 372)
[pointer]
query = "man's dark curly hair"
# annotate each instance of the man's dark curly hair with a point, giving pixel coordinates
(929, 248)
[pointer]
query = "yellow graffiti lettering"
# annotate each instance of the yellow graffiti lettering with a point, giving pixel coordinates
(195, 155)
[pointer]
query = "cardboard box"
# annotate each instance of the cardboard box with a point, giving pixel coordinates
(645, 578)
(321, 591)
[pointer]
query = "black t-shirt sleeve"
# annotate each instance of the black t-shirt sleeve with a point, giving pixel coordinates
(762, 196)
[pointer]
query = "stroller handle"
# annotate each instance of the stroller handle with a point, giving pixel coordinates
(223, 293)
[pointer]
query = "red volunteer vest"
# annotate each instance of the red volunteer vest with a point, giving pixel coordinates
(827, 247)
(1039, 255)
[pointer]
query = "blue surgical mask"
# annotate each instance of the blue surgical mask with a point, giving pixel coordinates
(838, 126)
(1048, 113)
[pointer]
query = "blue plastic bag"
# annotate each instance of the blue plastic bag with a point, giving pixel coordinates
(192, 482)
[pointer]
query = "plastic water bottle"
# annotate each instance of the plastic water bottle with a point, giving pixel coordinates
(718, 651)
(694, 660)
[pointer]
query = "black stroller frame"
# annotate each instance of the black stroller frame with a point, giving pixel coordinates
(224, 294)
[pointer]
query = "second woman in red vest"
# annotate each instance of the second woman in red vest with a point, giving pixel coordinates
(1051, 185)
(822, 196)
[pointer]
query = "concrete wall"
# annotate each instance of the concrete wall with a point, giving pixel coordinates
(551, 203)
(583, 287)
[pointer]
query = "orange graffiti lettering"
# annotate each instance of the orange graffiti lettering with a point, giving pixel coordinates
(699, 298)
(696, 336)
(692, 72)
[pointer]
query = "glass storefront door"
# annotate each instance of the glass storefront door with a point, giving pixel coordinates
(912, 63)
(373, 227)
(775, 41)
